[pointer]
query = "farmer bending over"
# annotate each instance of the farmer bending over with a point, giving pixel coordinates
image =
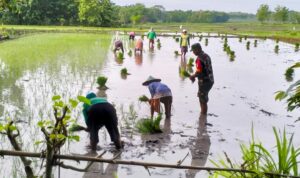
(118, 46)
(204, 73)
(160, 93)
(101, 113)
(131, 36)
(139, 46)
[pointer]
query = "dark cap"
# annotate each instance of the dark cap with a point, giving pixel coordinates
(196, 46)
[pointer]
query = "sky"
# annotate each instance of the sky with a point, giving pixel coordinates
(249, 6)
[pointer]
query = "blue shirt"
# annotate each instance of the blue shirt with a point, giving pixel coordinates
(158, 90)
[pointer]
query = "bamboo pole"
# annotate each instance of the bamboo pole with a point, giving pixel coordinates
(136, 163)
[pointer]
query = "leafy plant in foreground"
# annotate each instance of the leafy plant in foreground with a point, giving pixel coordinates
(262, 162)
(292, 93)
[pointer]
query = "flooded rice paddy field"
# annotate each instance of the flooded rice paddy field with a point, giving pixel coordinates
(242, 96)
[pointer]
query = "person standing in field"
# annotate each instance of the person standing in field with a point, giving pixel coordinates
(160, 93)
(204, 73)
(151, 36)
(184, 43)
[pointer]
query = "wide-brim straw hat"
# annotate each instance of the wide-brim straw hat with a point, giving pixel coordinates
(151, 79)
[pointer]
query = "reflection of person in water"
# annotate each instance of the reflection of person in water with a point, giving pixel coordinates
(97, 169)
(199, 147)
(138, 58)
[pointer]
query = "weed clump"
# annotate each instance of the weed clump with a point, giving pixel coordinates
(149, 125)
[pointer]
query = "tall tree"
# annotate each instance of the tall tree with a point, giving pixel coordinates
(263, 13)
(281, 14)
(96, 12)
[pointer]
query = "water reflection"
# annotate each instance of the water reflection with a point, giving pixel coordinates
(199, 147)
(101, 169)
(138, 58)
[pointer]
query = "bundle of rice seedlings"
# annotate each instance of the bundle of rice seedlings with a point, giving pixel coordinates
(191, 62)
(129, 52)
(143, 98)
(101, 81)
(149, 125)
(124, 71)
(76, 128)
(176, 53)
(120, 55)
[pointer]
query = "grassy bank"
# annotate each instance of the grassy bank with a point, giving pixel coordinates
(285, 32)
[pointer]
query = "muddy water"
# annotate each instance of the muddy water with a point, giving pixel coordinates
(243, 94)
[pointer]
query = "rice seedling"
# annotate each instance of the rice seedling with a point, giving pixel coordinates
(289, 74)
(225, 40)
(206, 41)
(191, 62)
(124, 71)
(177, 39)
(101, 81)
(200, 37)
(183, 72)
(158, 45)
(248, 45)
(245, 37)
(276, 49)
(297, 45)
(240, 39)
(143, 98)
(129, 53)
(277, 40)
(176, 53)
(255, 43)
(149, 125)
(120, 56)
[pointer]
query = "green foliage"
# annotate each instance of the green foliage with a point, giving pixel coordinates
(281, 14)
(101, 81)
(263, 13)
(143, 98)
(83, 99)
(258, 159)
(149, 125)
(96, 13)
(176, 53)
(292, 93)
(184, 73)
(177, 39)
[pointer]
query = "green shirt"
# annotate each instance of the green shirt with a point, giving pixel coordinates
(151, 35)
(86, 107)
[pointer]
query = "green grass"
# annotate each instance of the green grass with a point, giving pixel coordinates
(283, 32)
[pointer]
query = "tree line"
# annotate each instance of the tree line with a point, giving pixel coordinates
(97, 13)
(105, 13)
(280, 14)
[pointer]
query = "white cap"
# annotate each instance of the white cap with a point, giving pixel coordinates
(184, 30)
